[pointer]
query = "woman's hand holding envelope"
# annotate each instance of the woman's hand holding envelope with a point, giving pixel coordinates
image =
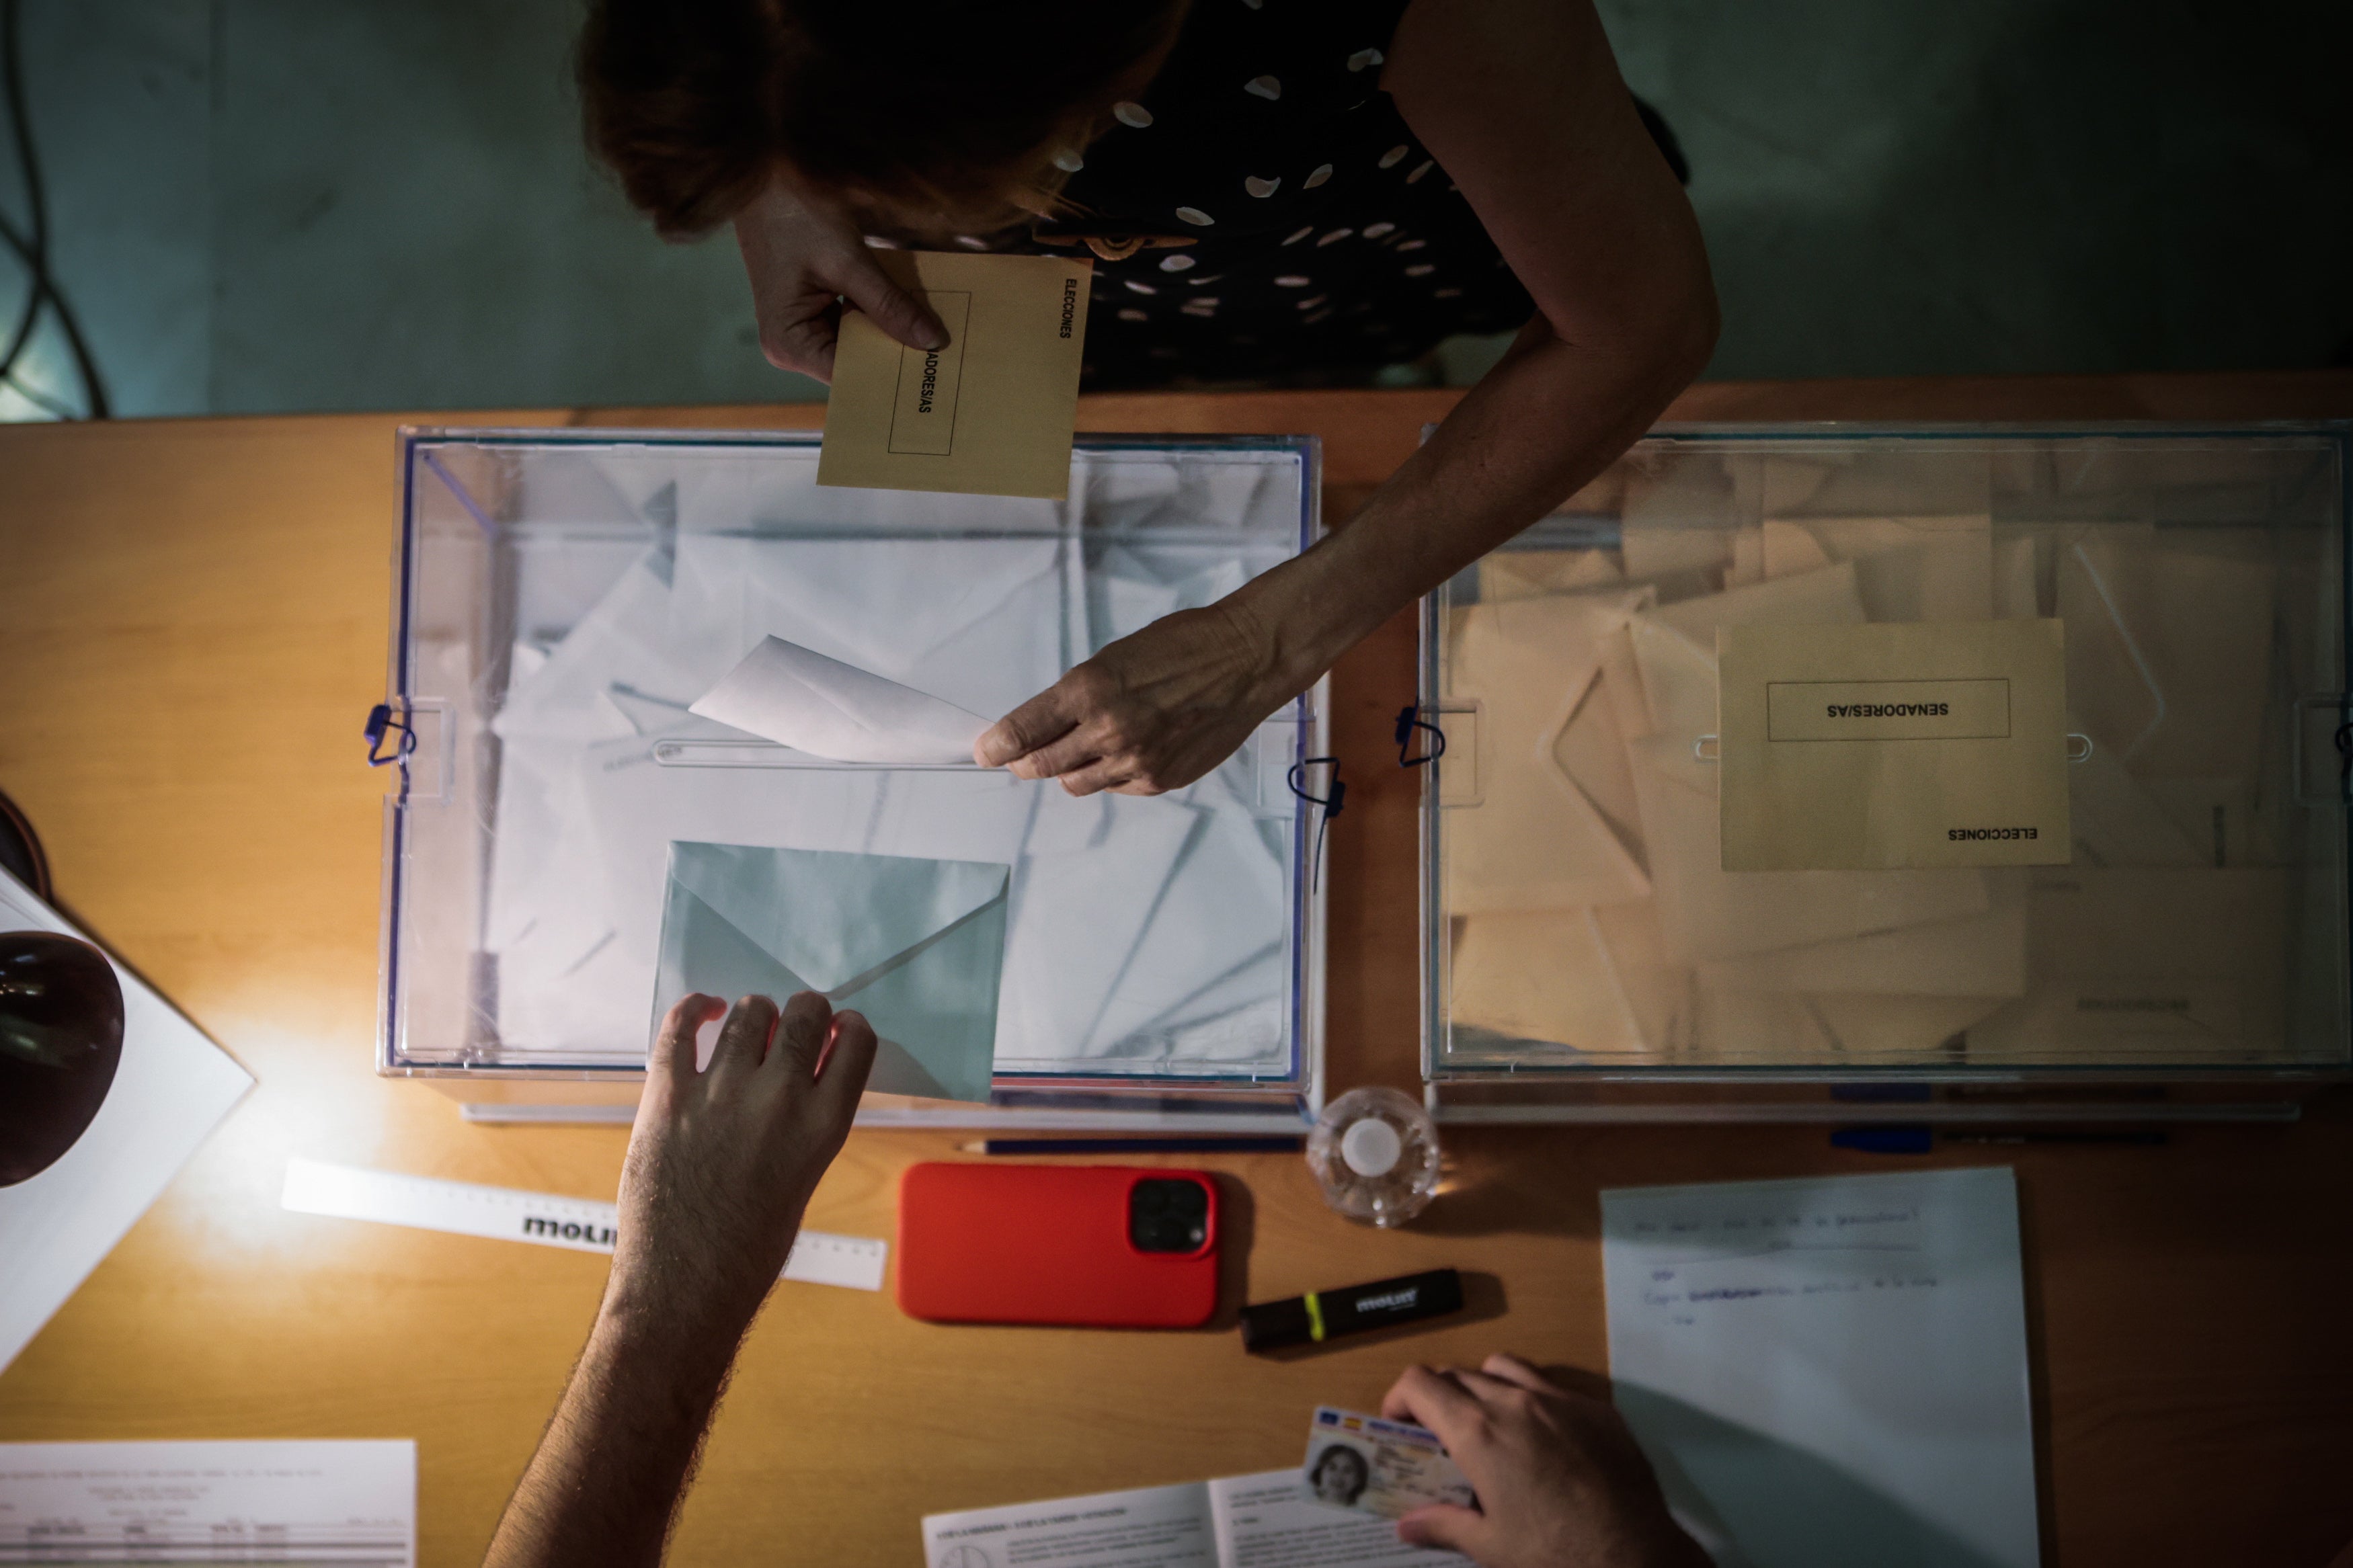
(804, 260)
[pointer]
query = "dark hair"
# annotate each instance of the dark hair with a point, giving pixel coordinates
(1357, 1483)
(947, 112)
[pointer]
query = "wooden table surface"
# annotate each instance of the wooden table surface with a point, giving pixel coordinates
(191, 625)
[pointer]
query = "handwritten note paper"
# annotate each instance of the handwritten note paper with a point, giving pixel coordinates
(1831, 1369)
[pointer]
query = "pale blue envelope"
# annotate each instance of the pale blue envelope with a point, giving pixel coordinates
(915, 945)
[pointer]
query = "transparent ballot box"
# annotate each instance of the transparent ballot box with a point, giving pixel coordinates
(1750, 804)
(563, 597)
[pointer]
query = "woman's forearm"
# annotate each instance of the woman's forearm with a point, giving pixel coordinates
(1544, 422)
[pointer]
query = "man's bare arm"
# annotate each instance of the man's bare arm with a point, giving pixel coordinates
(720, 1165)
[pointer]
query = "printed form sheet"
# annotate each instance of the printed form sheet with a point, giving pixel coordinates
(350, 1504)
(1265, 1521)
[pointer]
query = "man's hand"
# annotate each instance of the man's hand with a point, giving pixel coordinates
(805, 260)
(1152, 712)
(1558, 1475)
(722, 1161)
(720, 1164)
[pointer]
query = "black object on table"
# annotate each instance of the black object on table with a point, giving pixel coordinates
(20, 850)
(60, 1041)
(60, 1025)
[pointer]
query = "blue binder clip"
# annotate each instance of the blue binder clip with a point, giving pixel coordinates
(1296, 778)
(1409, 719)
(380, 723)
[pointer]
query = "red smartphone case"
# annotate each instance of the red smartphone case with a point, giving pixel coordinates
(987, 1243)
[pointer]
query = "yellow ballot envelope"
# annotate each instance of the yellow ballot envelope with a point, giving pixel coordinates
(1892, 744)
(992, 413)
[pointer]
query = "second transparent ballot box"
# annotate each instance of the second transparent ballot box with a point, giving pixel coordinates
(564, 597)
(1844, 755)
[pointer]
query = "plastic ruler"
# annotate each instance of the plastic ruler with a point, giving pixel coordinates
(510, 1214)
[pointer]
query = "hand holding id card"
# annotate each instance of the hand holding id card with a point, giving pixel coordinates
(1384, 1467)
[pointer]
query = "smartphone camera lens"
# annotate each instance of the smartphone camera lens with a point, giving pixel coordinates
(1168, 1215)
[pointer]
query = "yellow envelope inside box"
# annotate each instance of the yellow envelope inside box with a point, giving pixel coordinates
(1892, 744)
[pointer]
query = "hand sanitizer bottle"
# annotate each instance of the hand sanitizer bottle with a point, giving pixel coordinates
(1374, 1154)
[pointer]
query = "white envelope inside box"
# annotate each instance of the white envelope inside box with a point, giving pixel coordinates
(916, 945)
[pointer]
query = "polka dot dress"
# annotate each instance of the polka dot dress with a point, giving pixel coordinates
(1313, 232)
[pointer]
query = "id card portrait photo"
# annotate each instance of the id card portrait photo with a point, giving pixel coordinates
(1892, 744)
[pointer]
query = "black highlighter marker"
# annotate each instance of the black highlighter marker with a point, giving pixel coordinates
(1323, 1315)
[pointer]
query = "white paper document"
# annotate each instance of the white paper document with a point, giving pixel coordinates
(1831, 1369)
(350, 1504)
(171, 1087)
(1264, 1521)
(801, 698)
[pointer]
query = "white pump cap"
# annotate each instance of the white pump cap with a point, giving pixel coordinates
(1371, 1146)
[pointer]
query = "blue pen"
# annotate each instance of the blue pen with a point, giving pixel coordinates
(1230, 1143)
(1913, 1138)
(1908, 1138)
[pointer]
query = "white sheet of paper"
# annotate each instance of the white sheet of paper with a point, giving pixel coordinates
(628, 666)
(1074, 934)
(1151, 1527)
(1835, 1368)
(316, 1501)
(1262, 1520)
(1223, 912)
(789, 694)
(171, 1087)
(985, 623)
(1266, 1520)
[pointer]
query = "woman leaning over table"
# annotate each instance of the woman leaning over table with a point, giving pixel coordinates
(1271, 187)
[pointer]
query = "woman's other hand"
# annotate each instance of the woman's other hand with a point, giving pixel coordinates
(1152, 712)
(804, 260)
